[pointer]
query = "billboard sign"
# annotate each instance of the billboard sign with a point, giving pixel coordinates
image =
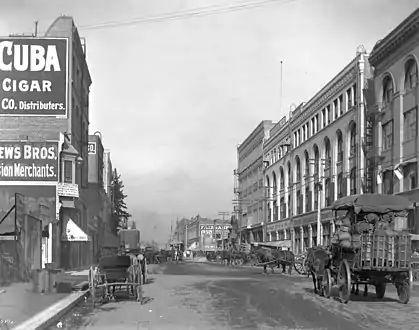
(33, 76)
(29, 161)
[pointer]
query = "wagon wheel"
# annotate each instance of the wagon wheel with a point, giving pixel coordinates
(344, 281)
(327, 283)
(380, 290)
(144, 272)
(138, 283)
(93, 284)
(404, 288)
(299, 267)
(131, 280)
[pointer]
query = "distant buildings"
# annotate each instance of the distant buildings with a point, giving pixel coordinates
(249, 190)
(202, 233)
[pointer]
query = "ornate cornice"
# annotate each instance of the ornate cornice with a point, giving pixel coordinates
(334, 87)
(337, 85)
(395, 38)
(248, 141)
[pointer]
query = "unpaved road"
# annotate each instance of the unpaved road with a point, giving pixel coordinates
(204, 296)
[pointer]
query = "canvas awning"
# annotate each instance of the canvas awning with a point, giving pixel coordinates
(73, 233)
(414, 237)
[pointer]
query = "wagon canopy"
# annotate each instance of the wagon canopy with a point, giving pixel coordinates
(373, 203)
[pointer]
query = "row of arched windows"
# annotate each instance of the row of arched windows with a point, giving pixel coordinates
(314, 166)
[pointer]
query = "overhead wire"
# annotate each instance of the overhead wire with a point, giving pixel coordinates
(185, 14)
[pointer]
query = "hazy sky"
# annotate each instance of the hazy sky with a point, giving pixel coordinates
(174, 97)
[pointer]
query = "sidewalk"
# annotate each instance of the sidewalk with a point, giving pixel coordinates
(19, 303)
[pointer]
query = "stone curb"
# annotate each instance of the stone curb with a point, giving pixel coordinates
(52, 314)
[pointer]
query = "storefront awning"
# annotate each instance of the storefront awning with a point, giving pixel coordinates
(414, 237)
(286, 244)
(73, 233)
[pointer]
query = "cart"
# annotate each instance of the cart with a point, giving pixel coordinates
(379, 259)
(281, 245)
(118, 272)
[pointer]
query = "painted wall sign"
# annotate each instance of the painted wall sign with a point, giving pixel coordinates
(33, 76)
(369, 160)
(29, 161)
(92, 148)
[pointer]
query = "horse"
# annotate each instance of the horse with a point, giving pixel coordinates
(318, 260)
(265, 257)
(226, 257)
(284, 259)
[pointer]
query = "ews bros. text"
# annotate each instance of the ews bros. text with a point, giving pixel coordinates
(28, 152)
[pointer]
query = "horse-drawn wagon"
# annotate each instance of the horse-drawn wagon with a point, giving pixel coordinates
(126, 270)
(371, 246)
(271, 254)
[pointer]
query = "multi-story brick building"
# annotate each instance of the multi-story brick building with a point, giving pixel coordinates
(393, 112)
(395, 62)
(99, 211)
(70, 127)
(315, 157)
(249, 188)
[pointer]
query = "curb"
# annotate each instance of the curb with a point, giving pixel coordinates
(52, 314)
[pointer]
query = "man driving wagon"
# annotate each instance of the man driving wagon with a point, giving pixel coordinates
(371, 246)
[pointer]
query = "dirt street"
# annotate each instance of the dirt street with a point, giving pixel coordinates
(205, 296)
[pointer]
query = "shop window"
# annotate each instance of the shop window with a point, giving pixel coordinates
(388, 182)
(68, 171)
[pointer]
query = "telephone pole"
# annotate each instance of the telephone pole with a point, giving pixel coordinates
(223, 214)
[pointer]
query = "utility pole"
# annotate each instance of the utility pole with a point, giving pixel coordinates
(186, 234)
(223, 214)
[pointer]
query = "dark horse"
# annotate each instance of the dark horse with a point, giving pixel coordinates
(318, 260)
(274, 258)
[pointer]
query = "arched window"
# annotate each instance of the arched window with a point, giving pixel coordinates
(328, 154)
(281, 173)
(298, 169)
(353, 140)
(411, 75)
(274, 182)
(353, 181)
(307, 163)
(289, 175)
(340, 146)
(388, 90)
(341, 191)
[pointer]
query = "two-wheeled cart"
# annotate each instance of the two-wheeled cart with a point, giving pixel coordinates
(116, 274)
